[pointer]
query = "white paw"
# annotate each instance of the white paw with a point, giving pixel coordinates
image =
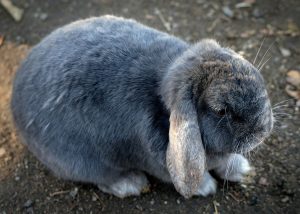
(131, 184)
(208, 185)
(234, 168)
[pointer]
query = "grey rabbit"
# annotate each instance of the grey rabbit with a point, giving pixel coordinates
(106, 100)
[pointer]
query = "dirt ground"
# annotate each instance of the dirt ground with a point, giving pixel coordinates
(26, 186)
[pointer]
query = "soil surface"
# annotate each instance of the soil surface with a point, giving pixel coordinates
(26, 186)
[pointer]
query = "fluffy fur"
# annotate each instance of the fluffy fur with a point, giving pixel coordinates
(105, 99)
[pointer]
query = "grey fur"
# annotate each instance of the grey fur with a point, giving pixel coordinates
(93, 100)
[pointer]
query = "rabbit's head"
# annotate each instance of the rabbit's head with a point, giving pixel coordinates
(218, 104)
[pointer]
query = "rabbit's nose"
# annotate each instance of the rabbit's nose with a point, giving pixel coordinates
(263, 123)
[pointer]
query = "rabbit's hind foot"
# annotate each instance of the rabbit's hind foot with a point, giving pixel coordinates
(129, 184)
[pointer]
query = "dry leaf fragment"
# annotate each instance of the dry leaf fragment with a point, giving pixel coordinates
(1, 40)
(293, 78)
(2, 152)
(146, 189)
(293, 29)
(248, 33)
(293, 93)
(268, 31)
(293, 87)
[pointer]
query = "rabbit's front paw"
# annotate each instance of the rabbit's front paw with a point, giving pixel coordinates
(234, 168)
(131, 184)
(208, 185)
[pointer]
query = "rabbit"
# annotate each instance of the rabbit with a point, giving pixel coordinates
(107, 100)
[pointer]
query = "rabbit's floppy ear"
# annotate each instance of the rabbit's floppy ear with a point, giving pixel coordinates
(185, 152)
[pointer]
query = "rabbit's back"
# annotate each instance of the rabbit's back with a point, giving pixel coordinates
(89, 88)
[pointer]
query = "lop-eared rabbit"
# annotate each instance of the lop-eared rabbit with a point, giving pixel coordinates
(106, 100)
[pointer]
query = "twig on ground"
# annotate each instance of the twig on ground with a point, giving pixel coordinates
(14, 11)
(100, 201)
(59, 193)
(216, 207)
(166, 24)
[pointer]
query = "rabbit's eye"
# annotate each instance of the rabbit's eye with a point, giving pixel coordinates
(221, 112)
(237, 118)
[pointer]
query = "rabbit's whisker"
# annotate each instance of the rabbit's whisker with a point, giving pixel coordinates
(264, 63)
(215, 131)
(225, 183)
(261, 44)
(278, 129)
(280, 106)
(279, 124)
(282, 115)
(265, 54)
(245, 149)
(229, 167)
(283, 101)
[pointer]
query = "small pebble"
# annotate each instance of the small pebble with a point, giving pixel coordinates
(25, 162)
(243, 4)
(285, 199)
(228, 12)
(178, 201)
(257, 13)
(263, 181)
(2, 152)
(29, 210)
(253, 201)
(17, 178)
(94, 198)
(244, 186)
(152, 202)
(200, 1)
(139, 207)
(74, 192)
(28, 204)
(165, 202)
(36, 15)
(43, 16)
(125, 10)
(285, 52)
